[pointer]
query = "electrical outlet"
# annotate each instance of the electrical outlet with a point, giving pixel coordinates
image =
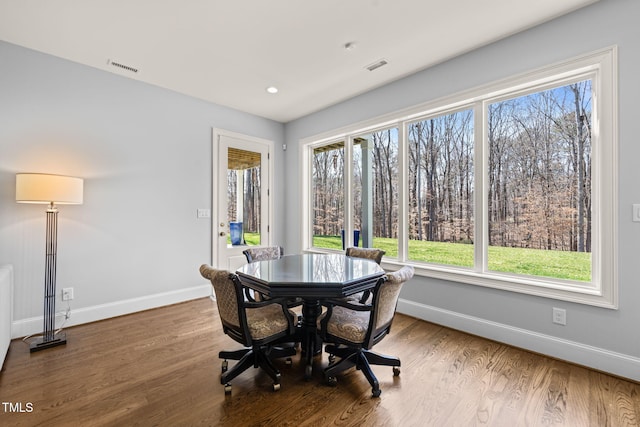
(67, 294)
(559, 316)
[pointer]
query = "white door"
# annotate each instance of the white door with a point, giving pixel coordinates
(242, 179)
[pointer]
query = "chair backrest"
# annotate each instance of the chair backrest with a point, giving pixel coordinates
(229, 300)
(385, 301)
(367, 253)
(263, 253)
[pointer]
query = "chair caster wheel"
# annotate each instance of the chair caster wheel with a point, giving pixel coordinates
(225, 366)
(276, 387)
(307, 372)
(332, 358)
(332, 381)
(288, 362)
(227, 389)
(376, 393)
(396, 371)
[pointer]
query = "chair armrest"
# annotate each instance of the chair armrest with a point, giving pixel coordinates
(352, 305)
(282, 302)
(258, 304)
(365, 296)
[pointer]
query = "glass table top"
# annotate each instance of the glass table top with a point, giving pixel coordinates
(311, 269)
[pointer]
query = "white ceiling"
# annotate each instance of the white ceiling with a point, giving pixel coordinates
(229, 51)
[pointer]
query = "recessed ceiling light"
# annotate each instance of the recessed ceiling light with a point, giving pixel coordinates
(272, 89)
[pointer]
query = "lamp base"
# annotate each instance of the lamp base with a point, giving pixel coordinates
(41, 344)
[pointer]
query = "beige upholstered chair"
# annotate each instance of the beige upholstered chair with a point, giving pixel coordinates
(263, 253)
(259, 326)
(366, 253)
(354, 328)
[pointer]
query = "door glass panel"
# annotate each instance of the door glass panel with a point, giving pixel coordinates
(243, 197)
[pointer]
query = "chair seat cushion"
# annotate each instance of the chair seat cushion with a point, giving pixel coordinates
(266, 321)
(347, 324)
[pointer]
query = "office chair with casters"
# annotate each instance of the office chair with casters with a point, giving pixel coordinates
(263, 253)
(264, 328)
(373, 254)
(352, 329)
(367, 253)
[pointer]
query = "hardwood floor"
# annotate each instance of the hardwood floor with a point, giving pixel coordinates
(160, 367)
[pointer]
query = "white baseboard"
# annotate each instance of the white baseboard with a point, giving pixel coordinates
(33, 325)
(593, 357)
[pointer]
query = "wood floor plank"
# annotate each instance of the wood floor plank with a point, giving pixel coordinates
(160, 368)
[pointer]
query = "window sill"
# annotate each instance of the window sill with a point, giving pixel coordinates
(576, 292)
(580, 293)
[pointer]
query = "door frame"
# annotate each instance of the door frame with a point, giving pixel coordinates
(266, 212)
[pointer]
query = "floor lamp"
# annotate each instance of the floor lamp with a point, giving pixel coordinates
(51, 190)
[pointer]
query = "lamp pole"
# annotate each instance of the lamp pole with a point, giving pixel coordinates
(49, 337)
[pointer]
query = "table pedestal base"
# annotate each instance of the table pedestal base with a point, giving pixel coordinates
(311, 342)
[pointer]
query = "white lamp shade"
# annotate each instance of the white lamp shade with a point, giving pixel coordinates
(45, 188)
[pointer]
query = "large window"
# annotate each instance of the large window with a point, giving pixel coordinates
(539, 193)
(510, 186)
(441, 222)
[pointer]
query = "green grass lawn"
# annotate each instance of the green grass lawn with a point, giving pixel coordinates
(251, 239)
(532, 262)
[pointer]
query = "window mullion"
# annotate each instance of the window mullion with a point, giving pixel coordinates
(481, 178)
(348, 191)
(403, 193)
(306, 169)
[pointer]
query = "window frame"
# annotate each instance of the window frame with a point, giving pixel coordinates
(599, 66)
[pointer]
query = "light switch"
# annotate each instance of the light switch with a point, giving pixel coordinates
(204, 213)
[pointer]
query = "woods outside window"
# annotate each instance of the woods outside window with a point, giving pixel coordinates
(512, 186)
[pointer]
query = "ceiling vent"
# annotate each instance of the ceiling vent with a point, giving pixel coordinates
(123, 67)
(377, 65)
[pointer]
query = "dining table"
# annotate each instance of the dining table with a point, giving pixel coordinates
(311, 277)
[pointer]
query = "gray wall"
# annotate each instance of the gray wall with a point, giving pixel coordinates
(146, 156)
(602, 338)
